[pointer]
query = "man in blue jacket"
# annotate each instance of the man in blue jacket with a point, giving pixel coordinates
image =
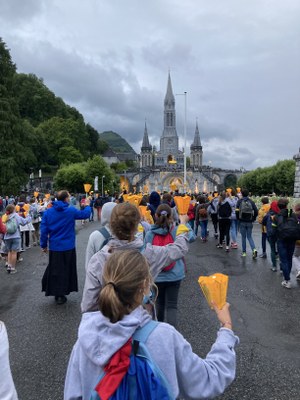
(58, 228)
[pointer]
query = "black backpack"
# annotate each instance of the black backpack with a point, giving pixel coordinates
(288, 228)
(225, 210)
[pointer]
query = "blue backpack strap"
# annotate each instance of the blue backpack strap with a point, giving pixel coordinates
(107, 236)
(142, 334)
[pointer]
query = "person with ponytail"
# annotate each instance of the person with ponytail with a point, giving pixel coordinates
(124, 221)
(105, 339)
(168, 281)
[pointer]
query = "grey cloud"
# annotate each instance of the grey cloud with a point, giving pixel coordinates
(13, 11)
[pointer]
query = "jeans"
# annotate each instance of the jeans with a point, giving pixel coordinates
(167, 299)
(246, 232)
(233, 230)
(192, 223)
(286, 251)
(272, 242)
(203, 226)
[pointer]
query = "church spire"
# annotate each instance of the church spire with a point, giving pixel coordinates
(197, 141)
(169, 98)
(146, 143)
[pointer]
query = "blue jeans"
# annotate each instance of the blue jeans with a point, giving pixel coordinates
(203, 225)
(272, 241)
(192, 223)
(233, 230)
(246, 232)
(286, 251)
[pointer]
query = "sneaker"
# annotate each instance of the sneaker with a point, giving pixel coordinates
(263, 255)
(234, 245)
(8, 269)
(286, 284)
(227, 249)
(216, 236)
(274, 269)
(20, 259)
(298, 276)
(254, 254)
(243, 254)
(219, 246)
(13, 271)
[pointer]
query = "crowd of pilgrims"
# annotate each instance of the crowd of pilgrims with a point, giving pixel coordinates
(134, 268)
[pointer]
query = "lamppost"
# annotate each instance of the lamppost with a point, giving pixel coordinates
(40, 178)
(185, 129)
(103, 176)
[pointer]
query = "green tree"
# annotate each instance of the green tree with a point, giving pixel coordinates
(69, 155)
(96, 166)
(12, 152)
(71, 177)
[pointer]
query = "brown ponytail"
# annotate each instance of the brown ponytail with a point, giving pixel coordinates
(124, 277)
(124, 221)
(164, 216)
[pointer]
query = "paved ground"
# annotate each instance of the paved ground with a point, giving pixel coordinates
(266, 318)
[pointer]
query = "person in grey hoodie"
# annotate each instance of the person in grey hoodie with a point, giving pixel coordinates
(7, 387)
(124, 221)
(13, 240)
(97, 239)
(126, 281)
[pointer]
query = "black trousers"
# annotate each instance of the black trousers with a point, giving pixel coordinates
(224, 227)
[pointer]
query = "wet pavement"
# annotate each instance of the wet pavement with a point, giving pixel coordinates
(265, 317)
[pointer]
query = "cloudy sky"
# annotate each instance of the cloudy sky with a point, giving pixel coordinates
(238, 61)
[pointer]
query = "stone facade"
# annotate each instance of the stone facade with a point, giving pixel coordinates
(164, 169)
(297, 175)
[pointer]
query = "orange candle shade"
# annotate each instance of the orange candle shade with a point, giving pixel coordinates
(135, 199)
(182, 204)
(214, 288)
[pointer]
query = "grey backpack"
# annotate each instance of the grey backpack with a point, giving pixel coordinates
(246, 211)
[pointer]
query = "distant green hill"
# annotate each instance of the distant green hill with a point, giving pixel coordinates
(116, 142)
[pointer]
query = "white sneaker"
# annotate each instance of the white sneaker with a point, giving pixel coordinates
(298, 276)
(286, 284)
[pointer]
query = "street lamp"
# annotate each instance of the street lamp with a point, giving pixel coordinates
(185, 129)
(102, 184)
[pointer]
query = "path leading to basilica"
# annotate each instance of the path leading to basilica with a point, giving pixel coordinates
(265, 316)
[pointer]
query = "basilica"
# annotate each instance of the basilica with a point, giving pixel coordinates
(163, 169)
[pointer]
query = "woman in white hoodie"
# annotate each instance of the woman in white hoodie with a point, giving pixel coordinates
(126, 281)
(7, 387)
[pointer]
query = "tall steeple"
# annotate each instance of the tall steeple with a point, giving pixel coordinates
(196, 149)
(169, 138)
(197, 141)
(146, 143)
(169, 97)
(146, 150)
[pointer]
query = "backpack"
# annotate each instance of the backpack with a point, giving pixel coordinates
(225, 210)
(246, 211)
(268, 223)
(104, 232)
(143, 379)
(11, 225)
(160, 240)
(288, 228)
(202, 211)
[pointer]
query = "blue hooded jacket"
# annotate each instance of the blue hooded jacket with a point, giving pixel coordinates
(58, 224)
